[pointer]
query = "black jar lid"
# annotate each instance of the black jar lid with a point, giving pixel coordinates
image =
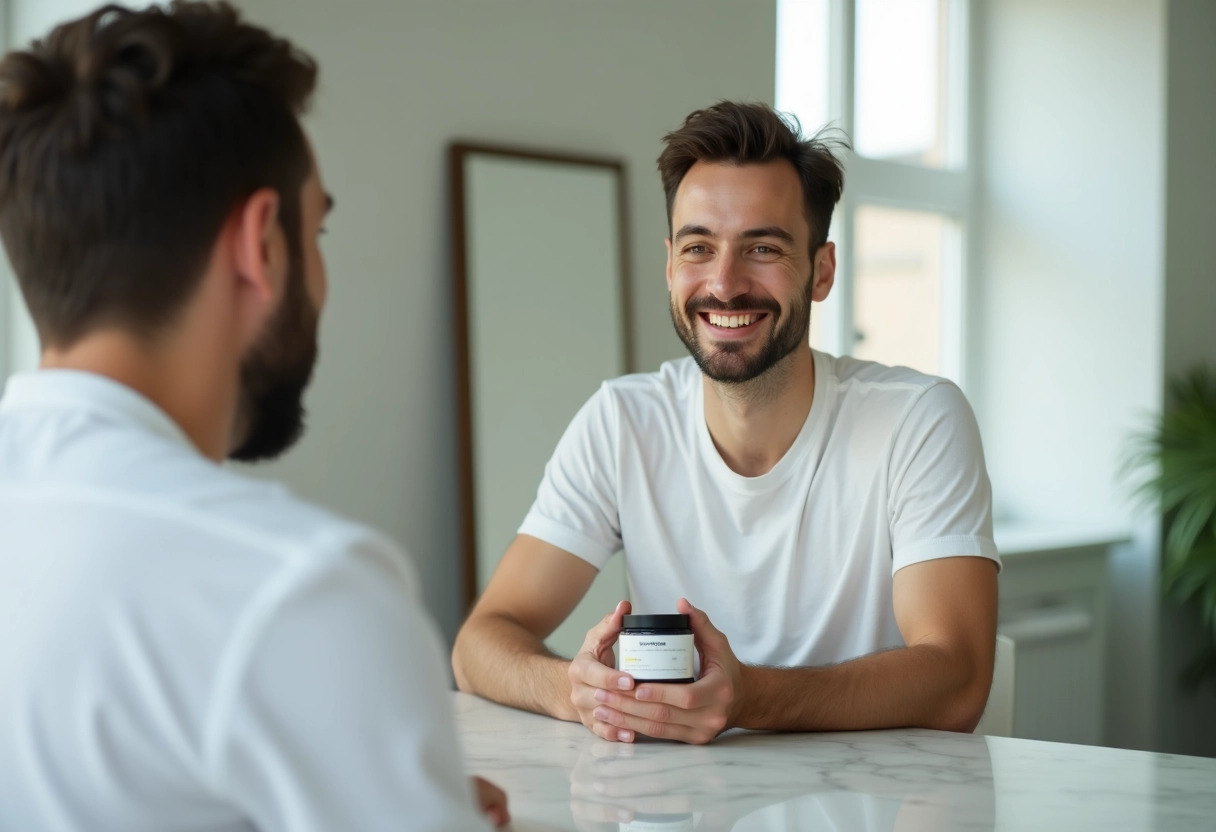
(656, 622)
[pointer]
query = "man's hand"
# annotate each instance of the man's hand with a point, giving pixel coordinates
(592, 676)
(493, 802)
(694, 713)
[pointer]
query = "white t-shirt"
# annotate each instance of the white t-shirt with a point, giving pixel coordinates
(186, 648)
(795, 566)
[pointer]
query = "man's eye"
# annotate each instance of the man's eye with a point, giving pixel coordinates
(765, 250)
(696, 249)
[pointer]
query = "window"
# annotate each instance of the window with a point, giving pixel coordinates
(901, 82)
(891, 74)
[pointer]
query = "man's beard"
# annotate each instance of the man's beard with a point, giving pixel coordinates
(727, 362)
(275, 374)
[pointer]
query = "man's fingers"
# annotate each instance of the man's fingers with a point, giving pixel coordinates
(610, 732)
(689, 697)
(646, 722)
(656, 711)
(586, 696)
(703, 630)
(616, 617)
(586, 669)
(710, 726)
(589, 667)
(591, 673)
(706, 692)
(693, 713)
(721, 674)
(605, 633)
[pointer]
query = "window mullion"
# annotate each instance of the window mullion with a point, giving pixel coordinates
(839, 332)
(907, 186)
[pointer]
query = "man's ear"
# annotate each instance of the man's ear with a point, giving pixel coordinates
(825, 272)
(258, 245)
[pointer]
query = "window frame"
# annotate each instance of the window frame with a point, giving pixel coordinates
(952, 191)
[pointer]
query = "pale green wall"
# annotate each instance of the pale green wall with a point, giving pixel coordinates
(1069, 295)
(1187, 723)
(398, 81)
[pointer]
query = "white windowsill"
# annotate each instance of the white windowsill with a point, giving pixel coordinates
(1023, 538)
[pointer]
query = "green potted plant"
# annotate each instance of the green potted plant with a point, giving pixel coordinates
(1179, 455)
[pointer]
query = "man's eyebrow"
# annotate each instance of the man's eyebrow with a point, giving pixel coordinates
(769, 231)
(693, 231)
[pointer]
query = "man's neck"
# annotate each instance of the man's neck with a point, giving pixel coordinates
(194, 393)
(754, 423)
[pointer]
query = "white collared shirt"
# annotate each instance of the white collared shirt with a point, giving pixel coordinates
(186, 648)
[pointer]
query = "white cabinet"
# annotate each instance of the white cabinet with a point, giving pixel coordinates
(1053, 605)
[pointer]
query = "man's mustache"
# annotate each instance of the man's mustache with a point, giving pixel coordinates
(742, 303)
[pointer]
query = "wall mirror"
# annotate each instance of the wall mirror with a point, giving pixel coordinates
(541, 305)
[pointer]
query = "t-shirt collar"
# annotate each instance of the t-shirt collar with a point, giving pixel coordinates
(811, 433)
(79, 390)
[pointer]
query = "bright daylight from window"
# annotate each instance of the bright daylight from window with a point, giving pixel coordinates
(900, 229)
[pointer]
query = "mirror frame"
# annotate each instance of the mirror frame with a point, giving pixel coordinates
(458, 152)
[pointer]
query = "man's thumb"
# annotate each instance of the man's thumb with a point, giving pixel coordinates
(703, 629)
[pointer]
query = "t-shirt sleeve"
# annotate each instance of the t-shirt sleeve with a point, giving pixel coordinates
(331, 709)
(576, 504)
(940, 497)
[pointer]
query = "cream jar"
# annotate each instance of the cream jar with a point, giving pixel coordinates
(656, 648)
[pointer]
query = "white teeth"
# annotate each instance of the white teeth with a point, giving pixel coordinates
(730, 321)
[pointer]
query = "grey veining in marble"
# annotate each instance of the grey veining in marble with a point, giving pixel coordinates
(559, 776)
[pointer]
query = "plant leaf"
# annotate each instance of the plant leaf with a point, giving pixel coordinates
(1183, 580)
(1175, 462)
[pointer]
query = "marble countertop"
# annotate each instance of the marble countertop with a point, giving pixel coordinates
(560, 776)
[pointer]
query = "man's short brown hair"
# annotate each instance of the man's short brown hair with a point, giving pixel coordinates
(126, 140)
(745, 134)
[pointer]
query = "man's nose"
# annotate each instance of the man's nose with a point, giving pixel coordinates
(729, 279)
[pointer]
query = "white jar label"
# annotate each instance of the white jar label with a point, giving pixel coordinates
(655, 657)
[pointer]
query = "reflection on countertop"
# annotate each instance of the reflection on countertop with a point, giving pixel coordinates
(560, 776)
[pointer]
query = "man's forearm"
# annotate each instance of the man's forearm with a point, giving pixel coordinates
(920, 686)
(496, 658)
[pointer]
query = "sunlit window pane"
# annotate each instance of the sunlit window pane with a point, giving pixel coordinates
(897, 295)
(803, 44)
(900, 89)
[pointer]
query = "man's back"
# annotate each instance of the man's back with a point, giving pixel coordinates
(186, 648)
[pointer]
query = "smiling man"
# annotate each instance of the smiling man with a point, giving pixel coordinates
(831, 517)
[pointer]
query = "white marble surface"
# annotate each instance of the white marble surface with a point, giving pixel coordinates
(559, 776)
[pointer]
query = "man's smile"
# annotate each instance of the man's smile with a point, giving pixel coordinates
(732, 325)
